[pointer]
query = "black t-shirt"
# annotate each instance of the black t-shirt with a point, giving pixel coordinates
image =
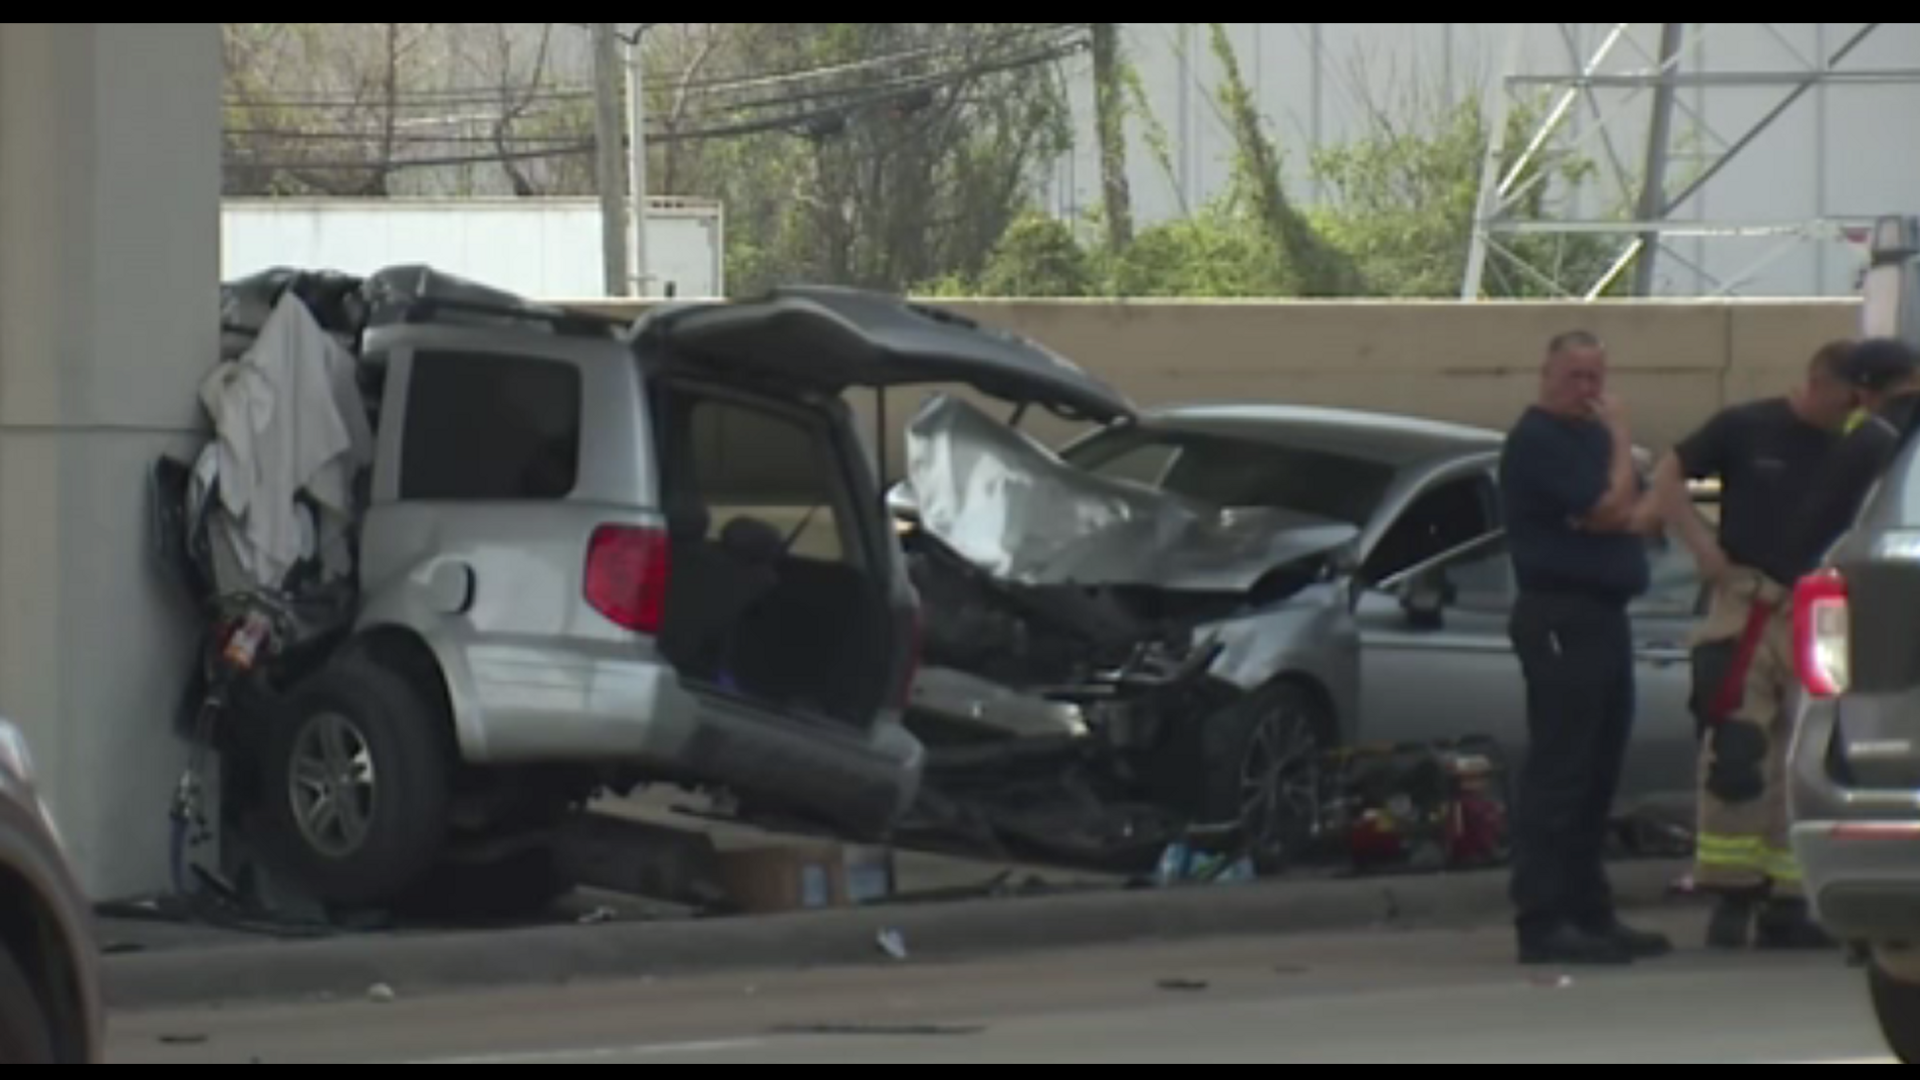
(1769, 461)
(1554, 473)
(1841, 491)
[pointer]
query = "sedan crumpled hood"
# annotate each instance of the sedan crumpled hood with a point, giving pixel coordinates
(1019, 512)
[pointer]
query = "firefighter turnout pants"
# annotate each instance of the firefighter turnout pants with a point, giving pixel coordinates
(1744, 698)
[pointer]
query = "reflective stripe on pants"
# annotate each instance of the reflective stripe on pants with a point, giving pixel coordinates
(1744, 827)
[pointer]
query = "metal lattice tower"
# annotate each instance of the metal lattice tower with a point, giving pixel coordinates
(1636, 103)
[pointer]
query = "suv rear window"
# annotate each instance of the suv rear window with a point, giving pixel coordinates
(487, 427)
(749, 462)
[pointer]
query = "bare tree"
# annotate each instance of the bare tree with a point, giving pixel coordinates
(371, 109)
(690, 52)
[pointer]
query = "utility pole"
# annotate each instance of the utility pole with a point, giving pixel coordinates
(610, 160)
(637, 108)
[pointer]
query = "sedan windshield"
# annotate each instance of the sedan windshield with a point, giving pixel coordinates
(1233, 472)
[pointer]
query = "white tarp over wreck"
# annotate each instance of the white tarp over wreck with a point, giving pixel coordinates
(290, 434)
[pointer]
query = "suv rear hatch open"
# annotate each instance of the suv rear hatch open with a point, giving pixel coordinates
(834, 340)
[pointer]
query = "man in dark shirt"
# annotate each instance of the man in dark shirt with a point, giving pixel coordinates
(1769, 457)
(1886, 372)
(1575, 517)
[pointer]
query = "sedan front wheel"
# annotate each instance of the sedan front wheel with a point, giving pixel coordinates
(1264, 769)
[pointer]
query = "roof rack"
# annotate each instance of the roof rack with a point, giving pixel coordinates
(424, 309)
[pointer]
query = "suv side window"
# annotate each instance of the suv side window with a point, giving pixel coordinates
(756, 463)
(487, 427)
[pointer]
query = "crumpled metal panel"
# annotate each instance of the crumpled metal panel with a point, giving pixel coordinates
(1019, 512)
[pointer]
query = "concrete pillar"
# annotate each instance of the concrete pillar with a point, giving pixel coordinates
(110, 157)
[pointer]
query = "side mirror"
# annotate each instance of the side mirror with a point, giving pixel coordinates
(1425, 600)
(902, 503)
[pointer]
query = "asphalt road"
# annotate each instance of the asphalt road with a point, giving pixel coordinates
(1404, 998)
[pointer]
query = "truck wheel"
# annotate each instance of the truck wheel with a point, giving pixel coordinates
(1897, 1004)
(26, 1033)
(358, 785)
(1263, 771)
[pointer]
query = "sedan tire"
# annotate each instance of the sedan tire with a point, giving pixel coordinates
(1263, 771)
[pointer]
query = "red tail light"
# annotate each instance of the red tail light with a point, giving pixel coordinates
(1823, 634)
(626, 581)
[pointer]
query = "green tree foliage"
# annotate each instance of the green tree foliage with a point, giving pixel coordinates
(1396, 219)
(1402, 200)
(897, 175)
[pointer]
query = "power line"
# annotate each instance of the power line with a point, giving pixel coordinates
(574, 92)
(902, 85)
(564, 149)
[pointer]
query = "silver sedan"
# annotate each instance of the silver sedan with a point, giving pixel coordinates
(1432, 579)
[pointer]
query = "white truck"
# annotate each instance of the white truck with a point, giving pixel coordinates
(544, 248)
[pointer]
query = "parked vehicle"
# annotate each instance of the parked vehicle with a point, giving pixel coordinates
(540, 556)
(50, 997)
(1856, 757)
(1300, 579)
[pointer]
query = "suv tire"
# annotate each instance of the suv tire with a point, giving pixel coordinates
(1897, 1004)
(358, 721)
(26, 1032)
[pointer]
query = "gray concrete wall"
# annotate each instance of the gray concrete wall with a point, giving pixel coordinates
(109, 318)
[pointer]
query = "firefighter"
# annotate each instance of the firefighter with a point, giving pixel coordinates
(1886, 374)
(1767, 455)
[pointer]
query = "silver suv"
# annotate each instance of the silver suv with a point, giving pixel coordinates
(590, 556)
(1856, 759)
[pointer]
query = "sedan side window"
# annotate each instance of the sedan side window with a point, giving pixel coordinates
(1443, 519)
(1484, 581)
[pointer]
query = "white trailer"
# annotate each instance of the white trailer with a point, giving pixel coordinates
(548, 249)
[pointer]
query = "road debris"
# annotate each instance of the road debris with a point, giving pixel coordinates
(1184, 985)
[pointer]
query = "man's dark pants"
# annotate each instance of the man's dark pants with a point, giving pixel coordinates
(1577, 654)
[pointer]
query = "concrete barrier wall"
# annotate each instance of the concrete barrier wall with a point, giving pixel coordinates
(1677, 361)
